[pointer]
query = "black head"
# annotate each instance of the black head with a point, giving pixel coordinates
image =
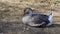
(27, 11)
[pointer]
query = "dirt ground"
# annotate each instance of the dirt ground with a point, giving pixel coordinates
(10, 18)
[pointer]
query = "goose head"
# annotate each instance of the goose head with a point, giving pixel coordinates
(26, 12)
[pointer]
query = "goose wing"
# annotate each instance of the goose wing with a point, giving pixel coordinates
(39, 18)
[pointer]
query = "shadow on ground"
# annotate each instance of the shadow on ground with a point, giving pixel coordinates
(17, 28)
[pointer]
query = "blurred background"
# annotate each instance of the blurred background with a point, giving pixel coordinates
(10, 19)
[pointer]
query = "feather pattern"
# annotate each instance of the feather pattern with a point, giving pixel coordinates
(37, 19)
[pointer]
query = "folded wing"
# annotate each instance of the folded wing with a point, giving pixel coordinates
(39, 18)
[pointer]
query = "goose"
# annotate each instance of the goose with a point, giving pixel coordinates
(36, 19)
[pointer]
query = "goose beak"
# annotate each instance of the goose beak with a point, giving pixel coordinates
(22, 13)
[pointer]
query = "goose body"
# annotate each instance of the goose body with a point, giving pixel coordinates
(37, 19)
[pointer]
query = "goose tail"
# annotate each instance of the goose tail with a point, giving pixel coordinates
(50, 18)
